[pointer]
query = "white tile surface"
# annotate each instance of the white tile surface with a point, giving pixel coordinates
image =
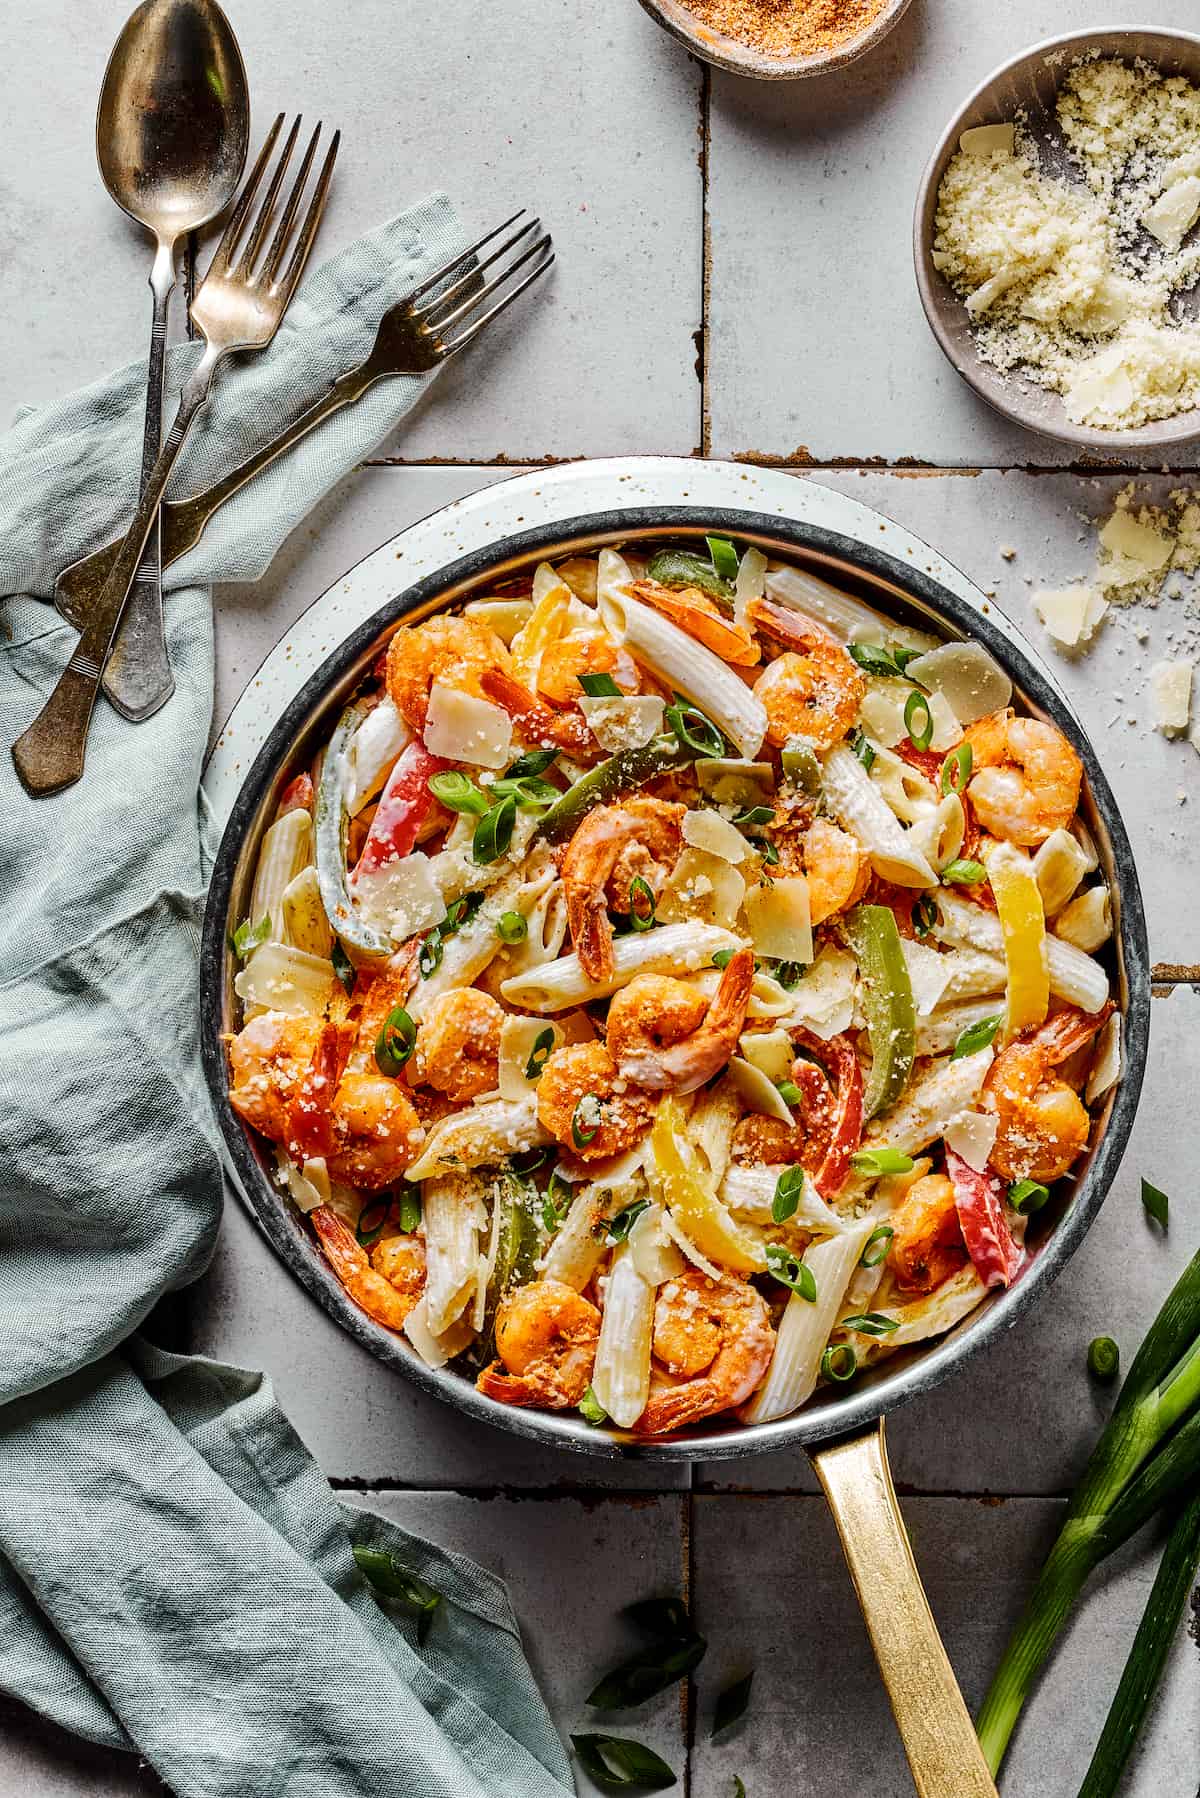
(818, 347)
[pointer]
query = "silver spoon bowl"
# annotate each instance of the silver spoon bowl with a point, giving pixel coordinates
(172, 131)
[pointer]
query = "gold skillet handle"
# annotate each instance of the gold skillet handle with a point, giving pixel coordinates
(943, 1751)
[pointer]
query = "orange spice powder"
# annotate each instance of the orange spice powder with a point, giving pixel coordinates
(788, 27)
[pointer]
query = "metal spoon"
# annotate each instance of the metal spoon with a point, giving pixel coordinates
(172, 130)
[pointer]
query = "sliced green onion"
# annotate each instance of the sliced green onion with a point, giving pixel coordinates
(918, 720)
(429, 956)
(788, 1189)
(731, 1704)
(512, 927)
(789, 1092)
(585, 1120)
(963, 873)
(800, 764)
(694, 731)
(876, 1162)
(460, 912)
(872, 659)
(839, 1362)
(539, 1055)
(617, 1228)
(248, 936)
(1156, 1203)
(870, 1323)
(591, 1409)
(789, 974)
(924, 915)
(1027, 1195)
(343, 967)
(396, 1041)
(493, 833)
(371, 1220)
(786, 1266)
(1103, 1358)
(862, 750)
(388, 1577)
(556, 1201)
(767, 850)
(640, 895)
(457, 792)
(533, 762)
(876, 1246)
(409, 1207)
(530, 793)
(956, 769)
(757, 814)
(723, 957)
(975, 1037)
(599, 686)
(683, 568)
(725, 558)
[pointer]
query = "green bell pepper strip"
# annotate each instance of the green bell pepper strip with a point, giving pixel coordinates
(517, 1247)
(888, 1002)
(608, 780)
(680, 568)
(331, 826)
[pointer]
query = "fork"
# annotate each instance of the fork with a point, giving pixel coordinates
(410, 340)
(238, 306)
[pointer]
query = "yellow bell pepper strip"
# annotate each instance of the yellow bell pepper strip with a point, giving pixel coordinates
(693, 1203)
(1023, 922)
(888, 1002)
(978, 1199)
(543, 627)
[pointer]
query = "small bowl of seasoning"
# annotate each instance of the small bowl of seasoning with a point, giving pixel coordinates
(777, 40)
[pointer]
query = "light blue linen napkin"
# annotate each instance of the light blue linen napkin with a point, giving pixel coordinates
(176, 1576)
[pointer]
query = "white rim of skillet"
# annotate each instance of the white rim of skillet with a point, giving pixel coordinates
(544, 497)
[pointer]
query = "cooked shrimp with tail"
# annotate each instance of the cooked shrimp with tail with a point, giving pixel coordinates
(717, 1336)
(666, 1036)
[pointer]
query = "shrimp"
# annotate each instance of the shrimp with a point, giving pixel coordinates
(592, 857)
(458, 1044)
(583, 652)
(386, 1283)
(814, 689)
(715, 1333)
(536, 722)
(1026, 780)
(546, 1336)
(927, 1240)
(268, 1059)
(838, 872)
(456, 651)
(363, 1125)
(829, 1126)
(665, 1035)
(610, 1123)
(1043, 1124)
(694, 612)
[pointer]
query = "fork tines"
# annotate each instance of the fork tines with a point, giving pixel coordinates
(434, 317)
(266, 272)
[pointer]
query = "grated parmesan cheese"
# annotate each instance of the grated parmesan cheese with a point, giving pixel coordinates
(1171, 695)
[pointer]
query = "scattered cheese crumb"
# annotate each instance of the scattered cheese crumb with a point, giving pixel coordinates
(1171, 695)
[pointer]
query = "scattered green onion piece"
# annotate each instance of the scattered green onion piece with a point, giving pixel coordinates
(767, 850)
(387, 1576)
(862, 750)
(975, 1037)
(617, 1228)
(1103, 1358)
(512, 927)
(876, 1247)
(591, 1409)
(460, 912)
(839, 1362)
(789, 1092)
(877, 1162)
(533, 762)
(599, 686)
(924, 915)
(789, 974)
(956, 769)
(640, 895)
(800, 764)
(396, 1041)
(619, 1764)
(371, 1219)
(585, 1120)
(694, 731)
(530, 793)
(556, 1201)
(725, 558)
(429, 956)
(248, 936)
(457, 792)
(683, 568)
(870, 1323)
(963, 873)
(1156, 1203)
(493, 833)
(343, 967)
(539, 1055)
(788, 1189)
(731, 1704)
(408, 1213)
(786, 1266)
(739, 1790)
(1028, 1196)
(757, 814)
(918, 720)
(723, 957)
(873, 659)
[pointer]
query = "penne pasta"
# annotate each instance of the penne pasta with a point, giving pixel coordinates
(861, 809)
(485, 1135)
(804, 1328)
(454, 1217)
(1073, 976)
(677, 949)
(1086, 923)
(621, 1377)
(1059, 866)
(934, 1100)
(286, 849)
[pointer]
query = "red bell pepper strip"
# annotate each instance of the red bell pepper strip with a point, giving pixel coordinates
(297, 796)
(832, 1107)
(990, 1242)
(404, 806)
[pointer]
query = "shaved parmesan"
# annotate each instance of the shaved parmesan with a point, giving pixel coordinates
(307, 1187)
(966, 676)
(1171, 695)
(985, 140)
(651, 1250)
(779, 920)
(1143, 549)
(711, 832)
(402, 897)
(623, 723)
(435, 1351)
(771, 1052)
(823, 1000)
(461, 728)
(517, 1038)
(972, 1134)
(1070, 614)
(1174, 212)
(928, 973)
(1106, 1068)
(756, 1091)
(504, 616)
(882, 714)
(729, 780)
(703, 887)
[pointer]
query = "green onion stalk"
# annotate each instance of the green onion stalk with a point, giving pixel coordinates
(1148, 1453)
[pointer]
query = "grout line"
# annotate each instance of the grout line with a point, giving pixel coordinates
(902, 467)
(696, 1489)
(702, 336)
(563, 1489)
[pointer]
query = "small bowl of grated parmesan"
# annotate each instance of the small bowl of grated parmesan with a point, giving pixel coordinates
(1057, 239)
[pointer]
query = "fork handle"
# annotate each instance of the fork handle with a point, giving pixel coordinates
(50, 754)
(79, 586)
